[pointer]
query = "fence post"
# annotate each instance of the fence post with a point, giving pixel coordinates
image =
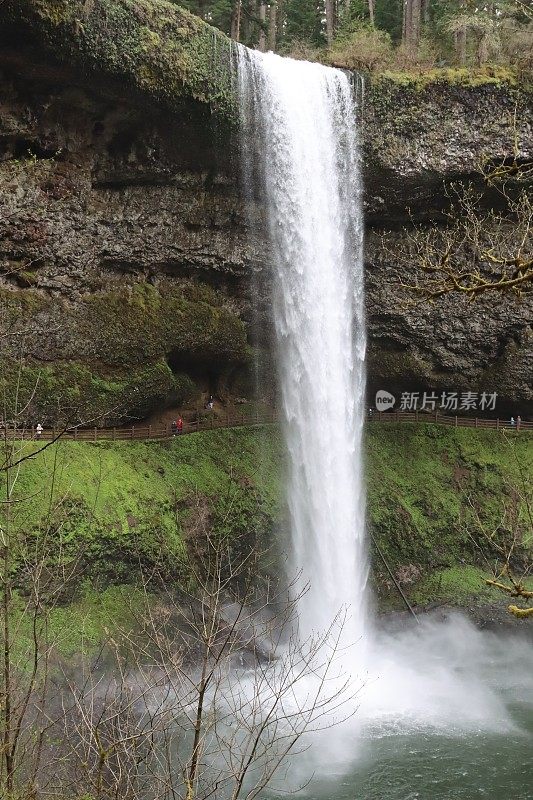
(227, 418)
(114, 434)
(456, 421)
(475, 426)
(149, 431)
(132, 432)
(498, 424)
(198, 421)
(416, 414)
(75, 433)
(436, 416)
(379, 412)
(95, 434)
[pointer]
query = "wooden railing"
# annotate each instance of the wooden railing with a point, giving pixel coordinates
(443, 419)
(202, 421)
(212, 420)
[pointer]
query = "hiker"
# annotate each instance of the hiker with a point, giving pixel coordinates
(180, 424)
(518, 422)
(174, 427)
(512, 422)
(210, 402)
(38, 431)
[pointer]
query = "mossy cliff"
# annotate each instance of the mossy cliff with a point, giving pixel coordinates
(157, 48)
(440, 501)
(119, 195)
(114, 353)
(437, 127)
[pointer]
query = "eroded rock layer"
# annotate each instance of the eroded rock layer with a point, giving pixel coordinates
(126, 249)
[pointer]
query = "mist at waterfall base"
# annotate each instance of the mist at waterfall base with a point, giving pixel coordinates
(435, 687)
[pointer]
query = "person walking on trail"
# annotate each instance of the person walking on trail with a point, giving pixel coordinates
(512, 422)
(518, 422)
(38, 431)
(174, 427)
(180, 424)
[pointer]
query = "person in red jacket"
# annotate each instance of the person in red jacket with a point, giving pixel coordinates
(180, 424)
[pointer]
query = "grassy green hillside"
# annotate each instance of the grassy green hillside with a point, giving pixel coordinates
(436, 496)
(441, 502)
(118, 502)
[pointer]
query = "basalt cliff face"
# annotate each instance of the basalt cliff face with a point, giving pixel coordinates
(126, 248)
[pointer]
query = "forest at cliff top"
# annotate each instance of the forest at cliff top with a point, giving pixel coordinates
(380, 34)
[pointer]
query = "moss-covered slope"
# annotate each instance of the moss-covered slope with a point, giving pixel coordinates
(436, 496)
(442, 502)
(155, 47)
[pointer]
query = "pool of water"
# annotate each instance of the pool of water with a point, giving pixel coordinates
(447, 714)
(430, 766)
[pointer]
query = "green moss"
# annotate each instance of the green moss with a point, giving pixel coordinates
(80, 626)
(95, 616)
(430, 487)
(114, 349)
(69, 392)
(17, 306)
(116, 504)
(458, 585)
(153, 45)
(56, 11)
(399, 365)
(119, 505)
(139, 323)
(457, 76)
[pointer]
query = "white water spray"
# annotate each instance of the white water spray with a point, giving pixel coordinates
(303, 120)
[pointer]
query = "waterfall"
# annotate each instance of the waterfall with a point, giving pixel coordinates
(301, 164)
(302, 147)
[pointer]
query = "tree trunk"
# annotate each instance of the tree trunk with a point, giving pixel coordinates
(280, 20)
(236, 20)
(371, 12)
(460, 45)
(416, 16)
(330, 21)
(412, 14)
(262, 32)
(272, 23)
(347, 4)
(406, 21)
(246, 28)
(483, 50)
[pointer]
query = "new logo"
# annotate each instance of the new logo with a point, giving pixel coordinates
(384, 400)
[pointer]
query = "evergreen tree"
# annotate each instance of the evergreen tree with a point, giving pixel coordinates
(304, 21)
(465, 32)
(216, 12)
(389, 17)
